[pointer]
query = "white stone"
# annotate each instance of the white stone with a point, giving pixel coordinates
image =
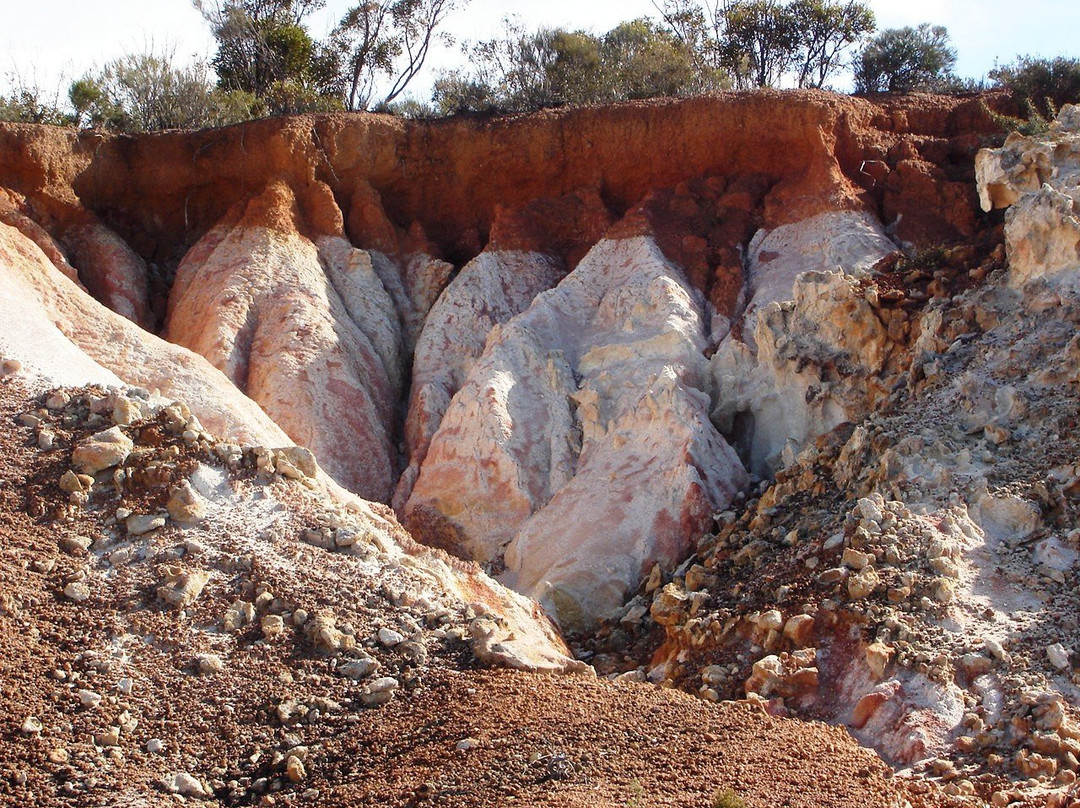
(1059, 656)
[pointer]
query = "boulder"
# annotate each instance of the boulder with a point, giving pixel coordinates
(102, 451)
(1038, 179)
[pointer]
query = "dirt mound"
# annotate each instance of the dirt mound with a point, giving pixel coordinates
(121, 685)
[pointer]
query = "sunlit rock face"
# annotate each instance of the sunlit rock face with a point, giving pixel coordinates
(67, 337)
(52, 332)
(578, 451)
(489, 290)
(1038, 180)
(305, 328)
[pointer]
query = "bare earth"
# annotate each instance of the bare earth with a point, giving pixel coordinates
(534, 740)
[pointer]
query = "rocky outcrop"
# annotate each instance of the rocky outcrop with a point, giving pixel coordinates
(52, 332)
(62, 334)
(848, 241)
(689, 390)
(810, 348)
(584, 410)
(111, 271)
(1038, 179)
(305, 329)
(489, 290)
(906, 569)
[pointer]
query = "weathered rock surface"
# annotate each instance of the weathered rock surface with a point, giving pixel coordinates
(899, 559)
(308, 332)
(1038, 180)
(588, 403)
(488, 291)
(848, 241)
(111, 271)
(906, 570)
(815, 362)
(58, 331)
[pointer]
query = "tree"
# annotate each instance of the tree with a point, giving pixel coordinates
(644, 60)
(699, 29)
(524, 70)
(906, 59)
(264, 49)
(386, 40)
(759, 41)
(825, 30)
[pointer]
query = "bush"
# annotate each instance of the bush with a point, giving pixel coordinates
(524, 70)
(1042, 85)
(27, 104)
(899, 60)
(726, 798)
(146, 93)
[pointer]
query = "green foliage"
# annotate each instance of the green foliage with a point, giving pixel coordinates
(1043, 85)
(759, 42)
(264, 50)
(1034, 124)
(455, 92)
(643, 60)
(26, 105)
(825, 31)
(523, 70)
(906, 59)
(727, 798)
(385, 43)
(145, 92)
(375, 50)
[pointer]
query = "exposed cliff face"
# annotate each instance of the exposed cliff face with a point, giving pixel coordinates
(569, 346)
(907, 571)
(563, 368)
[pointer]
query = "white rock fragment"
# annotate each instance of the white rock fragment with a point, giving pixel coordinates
(238, 615)
(389, 638)
(379, 691)
(186, 785)
(89, 699)
(140, 524)
(186, 505)
(126, 411)
(359, 668)
(210, 664)
(1059, 656)
(182, 587)
(77, 591)
(272, 626)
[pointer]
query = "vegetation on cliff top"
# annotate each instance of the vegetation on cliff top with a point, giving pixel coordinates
(268, 63)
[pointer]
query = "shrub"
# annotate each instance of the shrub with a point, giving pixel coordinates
(28, 104)
(726, 798)
(1043, 85)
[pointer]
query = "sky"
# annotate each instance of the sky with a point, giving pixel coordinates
(47, 43)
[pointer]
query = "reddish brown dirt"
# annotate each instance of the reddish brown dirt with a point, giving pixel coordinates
(910, 156)
(540, 740)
